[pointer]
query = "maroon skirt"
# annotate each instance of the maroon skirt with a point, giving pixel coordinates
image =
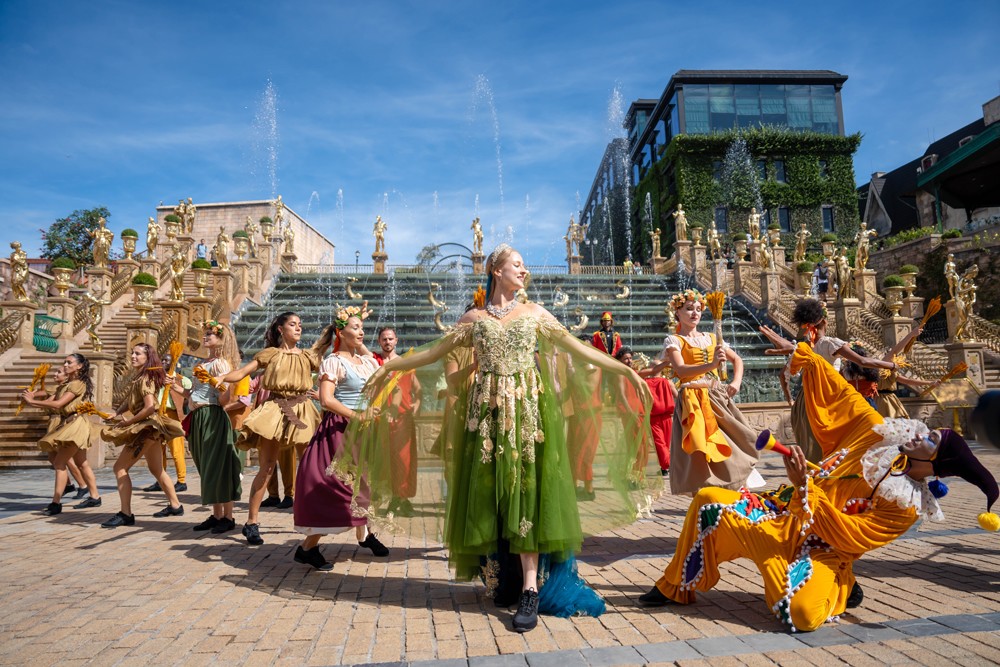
(322, 502)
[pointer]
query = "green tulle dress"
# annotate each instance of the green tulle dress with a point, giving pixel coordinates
(500, 468)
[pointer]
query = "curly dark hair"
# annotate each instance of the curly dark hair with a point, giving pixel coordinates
(808, 311)
(854, 370)
(625, 349)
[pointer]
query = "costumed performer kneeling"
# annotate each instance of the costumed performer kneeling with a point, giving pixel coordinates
(805, 537)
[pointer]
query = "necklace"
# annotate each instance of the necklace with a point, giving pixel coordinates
(501, 313)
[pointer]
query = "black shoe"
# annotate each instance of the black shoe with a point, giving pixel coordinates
(526, 616)
(52, 509)
(224, 526)
(155, 486)
(208, 524)
(120, 519)
(271, 501)
(251, 531)
(286, 503)
(169, 511)
(313, 557)
(89, 502)
(856, 597)
(180, 486)
(664, 472)
(80, 493)
(654, 598)
(371, 542)
(69, 488)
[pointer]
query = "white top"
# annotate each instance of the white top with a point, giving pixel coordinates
(203, 394)
(826, 347)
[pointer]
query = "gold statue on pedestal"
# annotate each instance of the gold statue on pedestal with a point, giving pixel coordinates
(862, 239)
(765, 257)
(680, 223)
(279, 212)
(289, 237)
(178, 267)
(152, 238)
(965, 299)
(95, 304)
(102, 243)
(801, 241)
(845, 283)
(753, 224)
(951, 275)
(18, 272)
(378, 231)
(654, 237)
(714, 244)
(189, 212)
(251, 228)
(477, 237)
(222, 249)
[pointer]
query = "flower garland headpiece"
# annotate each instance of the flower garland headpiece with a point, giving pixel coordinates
(344, 312)
(677, 301)
(215, 327)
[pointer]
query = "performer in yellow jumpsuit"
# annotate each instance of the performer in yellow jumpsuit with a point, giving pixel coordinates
(805, 538)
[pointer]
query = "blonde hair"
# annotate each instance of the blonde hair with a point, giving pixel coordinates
(229, 350)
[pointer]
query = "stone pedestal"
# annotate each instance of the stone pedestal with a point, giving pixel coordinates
(574, 264)
(972, 354)
(102, 366)
(894, 329)
(241, 275)
(188, 243)
(659, 265)
(378, 260)
(137, 331)
(741, 274)
(698, 259)
(63, 308)
(683, 250)
(864, 284)
(913, 307)
(26, 332)
(223, 283)
(770, 287)
(179, 313)
(951, 313)
(479, 263)
(99, 282)
(846, 312)
(150, 266)
(257, 277)
(200, 310)
(129, 267)
(266, 253)
(289, 261)
(778, 252)
(720, 275)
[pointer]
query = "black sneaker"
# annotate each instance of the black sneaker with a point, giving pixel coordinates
(526, 616)
(69, 488)
(120, 519)
(208, 524)
(251, 531)
(371, 542)
(180, 486)
(270, 501)
(856, 597)
(80, 493)
(89, 502)
(155, 486)
(169, 511)
(654, 598)
(313, 557)
(286, 503)
(52, 509)
(224, 526)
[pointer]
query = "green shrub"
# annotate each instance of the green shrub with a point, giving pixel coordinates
(63, 263)
(240, 234)
(201, 264)
(265, 218)
(774, 225)
(804, 267)
(128, 231)
(696, 224)
(908, 268)
(892, 280)
(737, 237)
(173, 217)
(906, 236)
(828, 238)
(143, 278)
(952, 234)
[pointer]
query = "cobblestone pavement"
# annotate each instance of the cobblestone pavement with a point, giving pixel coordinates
(158, 593)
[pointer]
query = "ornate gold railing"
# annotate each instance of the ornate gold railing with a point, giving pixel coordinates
(166, 332)
(120, 283)
(123, 374)
(986, 332)
(10, 329)
(81, 317)
(876, 303)
(751, 286)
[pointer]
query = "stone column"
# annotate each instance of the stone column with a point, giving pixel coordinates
(574, 265)
(257, 277)
(129, 267)
(683, 250)
(894, 329)
(137, 331)
(770, 287)
(972, 354)
(479, 263)
(289, 260)
(64, 308)
(26, 332)
(864, 284)
(150, 266)
(99, 283)
(241, 274)
(266, 253)
(741, 274)
(913, 307)
(224, 283)
(103, 365)
(951, 314)
(697, 258)
(720, 275)
(180, 314)
(846, 312)
(658, 264)
(200, 310)
(778, 252)
(379, 259)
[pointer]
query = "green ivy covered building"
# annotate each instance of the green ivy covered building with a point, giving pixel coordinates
(798, 162)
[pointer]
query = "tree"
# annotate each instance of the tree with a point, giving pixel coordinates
(69, 236)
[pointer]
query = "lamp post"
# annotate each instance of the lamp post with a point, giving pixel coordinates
(357, 259)
(590, 247)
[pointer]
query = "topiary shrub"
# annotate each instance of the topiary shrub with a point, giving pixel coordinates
(266, 218)
(201, 264)
(908, 268)
(737, 236)
(240, 234)
(952, 234)
(805, 267)
(828, 238)
(63, 263)
(892, 280)
(143, 278)
(696, 224)
(128, 231)
(173, 217)
(774, 225)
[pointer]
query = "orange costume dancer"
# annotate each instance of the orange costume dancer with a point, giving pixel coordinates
(606, 339)
(804, 538)
(402, 428)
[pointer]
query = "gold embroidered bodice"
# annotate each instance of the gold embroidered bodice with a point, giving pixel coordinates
(505, 349)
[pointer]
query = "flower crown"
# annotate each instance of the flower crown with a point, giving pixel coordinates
(677, 301)
(215, 327)
(344, 312)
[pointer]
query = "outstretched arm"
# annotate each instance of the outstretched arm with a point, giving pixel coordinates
(239, 373)
(865, 362)
(901, 345)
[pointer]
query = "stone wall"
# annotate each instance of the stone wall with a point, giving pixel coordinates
(311, 246)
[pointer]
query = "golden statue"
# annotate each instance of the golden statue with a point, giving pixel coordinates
(579, 233)
(189, 212)
(569, 246)
(477, 237)
(95, 304)
(279, 212)
(845, 283)
(951, 275)
(801, 241)
(289, 236)
(379, 233)
(753, 224)
(714, 245)
(965, 299)
(178, 266)
(222, 249)
(654, 236)
(18, 272)
(102, 243)
(680, 223)
(251, 228)
(765, 257)
(152, 238)
(862, 238)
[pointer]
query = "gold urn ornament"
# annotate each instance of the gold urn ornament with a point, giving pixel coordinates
(62, 281)
(128, 244)
(201, 280)
(894, 299)
(241, 246)
(143, 300)
(696, 233)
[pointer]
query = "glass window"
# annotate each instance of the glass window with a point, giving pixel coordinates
(779, 171)
(799, 114)
(765, 218)
(824, 109)
(822, 169)
(721, 219)
(828, 221)
(696, 115)
(784, 219)
(762, 169)
(716, 170)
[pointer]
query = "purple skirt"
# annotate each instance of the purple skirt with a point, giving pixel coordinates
(322, 502)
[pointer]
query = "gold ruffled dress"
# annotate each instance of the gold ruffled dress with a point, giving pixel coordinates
(157, 426)
(886, 401)
(288, 416)
(67, 428)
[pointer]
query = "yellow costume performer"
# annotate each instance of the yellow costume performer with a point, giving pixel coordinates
(67, 427)
(287, 417)
(135, 435)
(805, 540)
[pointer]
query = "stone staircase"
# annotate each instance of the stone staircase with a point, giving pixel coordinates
(19, 435)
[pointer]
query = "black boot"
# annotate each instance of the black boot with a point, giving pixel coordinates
(526, 616)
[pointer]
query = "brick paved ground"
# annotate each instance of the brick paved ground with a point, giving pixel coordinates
(159, 593)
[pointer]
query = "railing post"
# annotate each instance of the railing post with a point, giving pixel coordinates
(64, 308)
(103, 365)
(25, 335)
(289, 260)
(770, 288)
(847, 313)
(864, 283)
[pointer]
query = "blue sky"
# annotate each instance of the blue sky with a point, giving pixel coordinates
(416, 111)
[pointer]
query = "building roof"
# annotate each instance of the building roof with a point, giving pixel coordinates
(895, 191)
(756, 75)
